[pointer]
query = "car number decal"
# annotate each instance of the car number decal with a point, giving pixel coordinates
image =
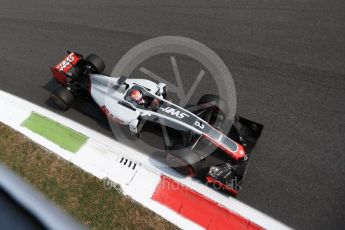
(199, 124)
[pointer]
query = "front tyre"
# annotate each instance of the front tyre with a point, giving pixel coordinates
(182, 166)
(213, 110)
(63, 98)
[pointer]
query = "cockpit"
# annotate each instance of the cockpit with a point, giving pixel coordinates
(140, 98)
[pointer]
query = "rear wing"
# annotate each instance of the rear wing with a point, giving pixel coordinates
(59, 71)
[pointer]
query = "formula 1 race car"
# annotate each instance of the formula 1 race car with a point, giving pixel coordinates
(135, 102)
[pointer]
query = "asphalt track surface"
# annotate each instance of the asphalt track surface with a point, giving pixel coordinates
(287, 59)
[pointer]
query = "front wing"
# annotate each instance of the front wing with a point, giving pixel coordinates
(225, 174)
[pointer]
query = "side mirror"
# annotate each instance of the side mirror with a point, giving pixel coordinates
(161, 89)
(133, 126)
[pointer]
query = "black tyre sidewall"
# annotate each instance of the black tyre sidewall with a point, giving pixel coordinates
(208, 98)
(96, 62)
(182, 167)
(62, 98)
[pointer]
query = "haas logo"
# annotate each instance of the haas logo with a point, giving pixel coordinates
(174, 112)
(68, 60)
(67, 63)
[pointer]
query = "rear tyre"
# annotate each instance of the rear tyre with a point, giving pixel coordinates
(96, 62)
(62, 98)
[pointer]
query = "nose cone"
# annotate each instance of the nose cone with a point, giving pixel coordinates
(240, 153)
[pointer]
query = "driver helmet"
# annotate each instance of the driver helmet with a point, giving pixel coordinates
(137, 96)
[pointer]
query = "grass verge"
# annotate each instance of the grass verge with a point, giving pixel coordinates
(77, 192)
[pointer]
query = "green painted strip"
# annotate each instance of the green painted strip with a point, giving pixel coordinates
(61, 135)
